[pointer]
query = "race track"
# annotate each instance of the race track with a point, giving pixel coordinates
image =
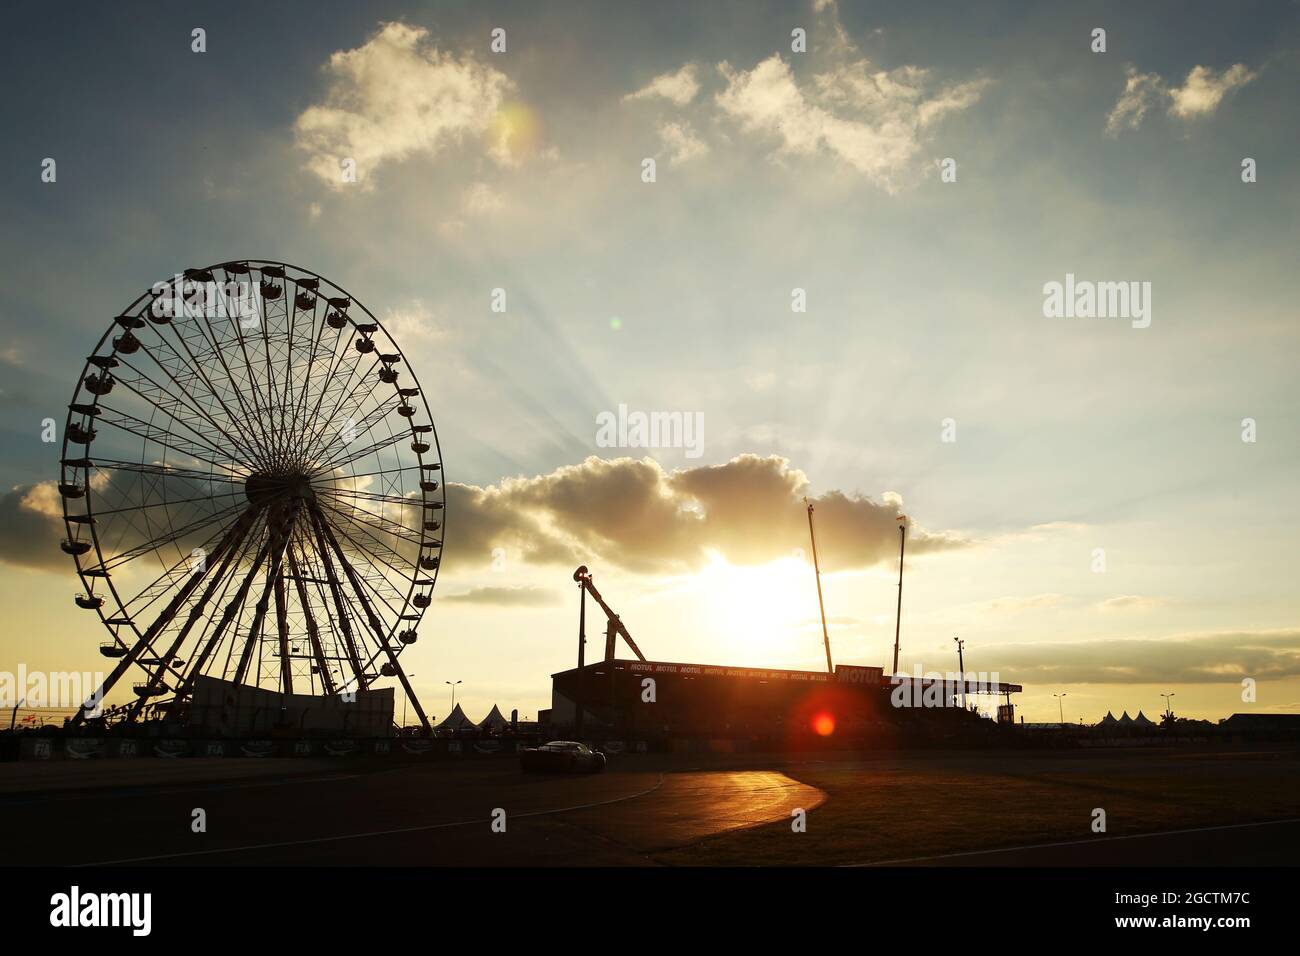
(322, 812)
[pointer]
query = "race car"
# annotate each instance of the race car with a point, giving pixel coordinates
(561, 756)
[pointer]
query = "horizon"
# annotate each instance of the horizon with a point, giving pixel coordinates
(1100, 507)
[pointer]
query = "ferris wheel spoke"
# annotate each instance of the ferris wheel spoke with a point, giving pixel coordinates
(404, 570)
(171, 536)
(253, 414)
(320, 439)
(378, 584)
(162, 400)
(235, 422)
(288, 400)
(216, 580)
(389, 526)
(300, 400)
(374, 448)
(339, 350)
(167, 503)
(165, 471)
(261, 414)
(375, 623)
(280, 422)
(146, 639)
(310, 421)
(342, 439)
(386, 524)
(160, 436)
(174, 402)
(135, 606)
(371, 496)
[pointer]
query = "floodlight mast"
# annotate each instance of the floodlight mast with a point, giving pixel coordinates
(614, 628)
(826, 637)
(898, 616)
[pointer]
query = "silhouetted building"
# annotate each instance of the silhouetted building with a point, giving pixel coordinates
(661, 699)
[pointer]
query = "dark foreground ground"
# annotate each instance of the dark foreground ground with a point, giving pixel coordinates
(1162, 807)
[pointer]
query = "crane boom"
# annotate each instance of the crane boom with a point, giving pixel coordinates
(615, 625)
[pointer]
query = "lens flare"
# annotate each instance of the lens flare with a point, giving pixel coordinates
(516, 133)
(824, 724)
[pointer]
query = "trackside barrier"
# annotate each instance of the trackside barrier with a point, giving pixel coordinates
(53, 747)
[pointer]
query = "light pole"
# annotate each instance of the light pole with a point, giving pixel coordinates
(405, 698)
(581, 576)
(453, 692)
(817, 572)
(1060, 700)
(898, 617)
(1169, 705)
(961, 666)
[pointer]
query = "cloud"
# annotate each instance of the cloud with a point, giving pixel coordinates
(414, 323)
(1220, 657)
(1141, 90)
(625, 512)
(1203, 90)
(680, 87)
(31, 526)
(480, 199)
(507, 597)
(1131, 602)
(1200, 95)
(873, 120)
(681, 142)
(129, 510)
(394, 97)
(1015, 605)
(634, 514)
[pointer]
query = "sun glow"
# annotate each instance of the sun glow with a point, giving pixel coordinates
(762, 615)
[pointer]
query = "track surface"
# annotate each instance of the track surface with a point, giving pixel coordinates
(321, 812)
(1173, 807)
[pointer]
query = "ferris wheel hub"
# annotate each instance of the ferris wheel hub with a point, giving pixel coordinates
(262, 488)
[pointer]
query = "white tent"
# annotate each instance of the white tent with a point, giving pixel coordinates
(493, 721)
(456, 720)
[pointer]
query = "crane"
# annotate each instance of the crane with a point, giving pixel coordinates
(614, 628)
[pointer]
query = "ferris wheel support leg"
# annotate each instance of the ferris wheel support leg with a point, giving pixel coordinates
(242, 526)
(313, 632)
(282, 629)
(281, 522)
(336, 592)
(375, 623)
(232, 607)
(169, 612)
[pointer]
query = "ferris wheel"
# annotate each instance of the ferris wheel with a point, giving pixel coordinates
(252, 488)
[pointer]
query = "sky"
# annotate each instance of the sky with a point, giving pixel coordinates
(838, 270)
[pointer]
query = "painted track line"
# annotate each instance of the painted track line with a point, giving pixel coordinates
(1106, 839)
(373, 833)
